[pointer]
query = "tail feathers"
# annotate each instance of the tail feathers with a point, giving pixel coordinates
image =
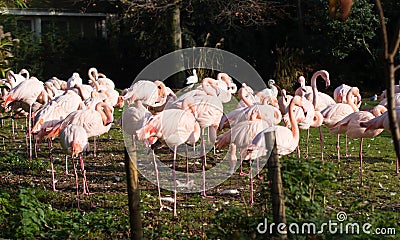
(223, 140)
(54, 132)
(8, 99)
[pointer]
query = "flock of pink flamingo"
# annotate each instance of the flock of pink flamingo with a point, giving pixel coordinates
(76, 111)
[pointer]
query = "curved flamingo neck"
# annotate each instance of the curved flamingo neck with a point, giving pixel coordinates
(93, 74)
(318, 119)
(161, 89)
(292, 117)
(378, 110)
(212, 83)
(277, 115)
(243, 96)
(105, 112)
(353, 92)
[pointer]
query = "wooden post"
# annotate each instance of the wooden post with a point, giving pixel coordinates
(277, 196)
(132, 179)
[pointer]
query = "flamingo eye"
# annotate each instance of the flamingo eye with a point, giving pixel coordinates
(159, 87)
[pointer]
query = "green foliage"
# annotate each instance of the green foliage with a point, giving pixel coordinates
(356, 33)
(289, 66)
(6, 50)
(305, 182)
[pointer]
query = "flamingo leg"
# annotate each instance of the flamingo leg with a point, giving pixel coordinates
(53, 181)
(30, 132)
(397, 165)
(241, 166)
(298, 151)
(66, 165)
(158, 180)
(187, 164)
(35, 146)
(251, 182)
(307, 139)
(174, 174)
(338, 148)
(347, 150)
(361, 163)
(84, 182)
(13, 128)
(94, 146)
(321, 145)
(76, 182)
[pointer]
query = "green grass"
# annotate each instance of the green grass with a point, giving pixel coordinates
(313, 192)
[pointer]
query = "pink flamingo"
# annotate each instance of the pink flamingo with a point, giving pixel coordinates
(74, 141)
(53, 112)
(382, 121)
(75, 79)
(383, 102)
(336, 112)
(95, 121)
(175, 127)
(241, 135)
(303, 89)
(306, 117)
(286, 140)
(272, 89)
(150, 93)
(267, 112)
(350, 126)
(98, 78)
(340, 93)
(29, 92)
(284, 101)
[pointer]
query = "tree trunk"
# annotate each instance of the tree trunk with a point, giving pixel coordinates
(176, 34)
(277, 196)
(390, 51)
(176, 37)
(133, 195)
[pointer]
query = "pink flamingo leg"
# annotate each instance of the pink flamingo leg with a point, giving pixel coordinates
(321, 145)
(347, 152)
(30, 133)
(361, 163)
(174, 174)
(241, 167)
(94, 146)
(158, 180)
(298, 151)
(53, 181)
(84, 182)
(307, 139)
(66, 165)
(187, 164)
(251, 183)
(338, 148)
(397, 165)
(76, 182)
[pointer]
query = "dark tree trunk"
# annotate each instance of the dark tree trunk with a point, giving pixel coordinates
(132, 179)
(275, 179)
(390, 51)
